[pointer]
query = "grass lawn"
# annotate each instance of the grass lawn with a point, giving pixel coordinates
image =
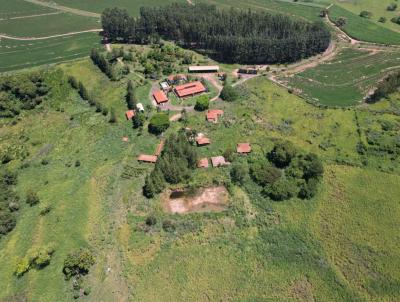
(334, 84)
(16, 55)
(364, 29)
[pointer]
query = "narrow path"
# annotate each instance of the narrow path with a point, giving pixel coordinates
(65, 8)
(190, 2)
(30, 16)
(49, 37)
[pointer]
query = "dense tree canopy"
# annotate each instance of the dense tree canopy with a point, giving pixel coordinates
(226, 35)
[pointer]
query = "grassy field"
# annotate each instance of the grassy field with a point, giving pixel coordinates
(48, 25)
(16, 55)
(377, 8)
(99, 5)
(20, 8)
(335, 84)
(364, 29)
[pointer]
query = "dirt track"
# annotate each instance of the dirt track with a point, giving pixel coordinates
(65, 8)
(49, 37)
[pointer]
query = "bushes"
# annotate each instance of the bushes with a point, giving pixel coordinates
(9, 202)
(35, 258)
(229, 93)
(138, 120)
(32, 198)
(78, 263)
(264, 173)
(282, 189)
(239, 172)
(159, 123)
(202, 103)
(282, 154)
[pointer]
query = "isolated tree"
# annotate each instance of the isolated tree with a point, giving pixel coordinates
(202, 103)
(78, 263)
(32, 198)
(229, 93)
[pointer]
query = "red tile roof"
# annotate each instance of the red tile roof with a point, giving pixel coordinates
(130, 114)
(160, 97)
(201, 141)
(218, 161)
(189, 89)
(147, 158)
(159, 148)
(243, 148)
(213, 114)
(202, 163)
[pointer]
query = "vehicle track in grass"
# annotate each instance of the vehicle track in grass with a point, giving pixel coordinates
(2, 36)
(71, 10)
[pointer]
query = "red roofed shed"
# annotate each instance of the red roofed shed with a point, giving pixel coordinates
(147, 158)
(213, 114)
(243, 148)
(202, 141)
(202, 163)
(189, 89)
(130, 114)
(160, 97)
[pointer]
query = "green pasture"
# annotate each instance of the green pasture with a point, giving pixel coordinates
(48, 25)
(98, 6)
(21, 8)
(16, 55)
(346, 79)
(364, 29)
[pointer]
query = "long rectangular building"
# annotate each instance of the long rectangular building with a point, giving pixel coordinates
(189, 89)
(212, 68)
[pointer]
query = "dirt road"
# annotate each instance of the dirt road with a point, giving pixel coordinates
(65, 8)
(49, 37)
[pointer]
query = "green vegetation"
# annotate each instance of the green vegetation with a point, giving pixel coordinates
(362, 28)
(159, 123)
(36, 258)
(20, 8)
(335, 84)
(202, 103)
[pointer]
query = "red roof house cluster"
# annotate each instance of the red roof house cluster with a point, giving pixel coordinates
(189, 89)
(160, 97)
(214, 114)
(243, 148)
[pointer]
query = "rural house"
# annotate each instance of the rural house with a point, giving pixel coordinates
(243, 148)
(213, 115)
(189, 89)
(130, 114)
(218, 161)
(202, 163)
(160, 97)
(147, 158)
(204, 69)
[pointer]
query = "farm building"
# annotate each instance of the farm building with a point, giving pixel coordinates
(130, 114)
(248, 70)
(202, 141)
(147, 158)
(176, 79)
(160, 148)
(218, 161)
(190, 89)
(243, 148)
(160, 97)
(202, 163)
(139, 107)
(205, 69)
(165, 86)
(214, 114)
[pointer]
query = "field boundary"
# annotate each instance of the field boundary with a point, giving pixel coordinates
(2, 36)
(65, 8)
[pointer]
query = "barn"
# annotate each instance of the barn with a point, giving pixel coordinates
(189, 89)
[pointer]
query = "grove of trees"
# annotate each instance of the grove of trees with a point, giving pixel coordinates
(225, 35)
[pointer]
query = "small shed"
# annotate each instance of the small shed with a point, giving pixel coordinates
(218, 161)
(130, 114)
(213, 115)
(205, 69)
(203, 163)
(243, 148)
(139, 107)
(202, 141)
(147, 158)
(160, 148)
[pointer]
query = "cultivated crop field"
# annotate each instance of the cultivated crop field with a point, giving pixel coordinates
(16, 55)
(21, 8)
(346, 79)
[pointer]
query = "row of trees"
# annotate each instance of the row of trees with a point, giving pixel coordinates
(106, 65)
(175, 165)
(226, 35)
(21, 92)
(388, 85)
(9, 202)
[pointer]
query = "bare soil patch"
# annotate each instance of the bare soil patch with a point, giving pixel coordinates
(213, 199)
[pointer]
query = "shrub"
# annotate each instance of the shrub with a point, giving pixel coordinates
(229, 93)
(7, 222)
(308, 189)
(151, 220)
(282, 189)
(229, 154)
(202, 103)
(32, 198)
(168, 226)
(78, 263)
(239, 172)
(282, 154)
(264, 174)
(45, 209)
(113, 116)
(365, 14)
(391, 7)
(22, 267)
(139, 119)
(159, 123)
(382, 20)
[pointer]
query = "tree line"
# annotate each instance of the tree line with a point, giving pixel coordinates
(232, 36)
